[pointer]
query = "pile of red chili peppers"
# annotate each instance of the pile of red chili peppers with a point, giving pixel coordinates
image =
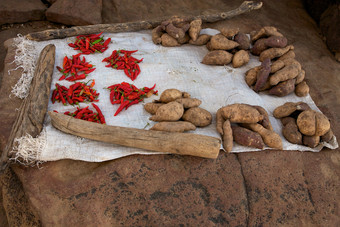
(124, 62)
(89, 44)
(127, 95)
(73, 66)
(87, 114)
(76, 93)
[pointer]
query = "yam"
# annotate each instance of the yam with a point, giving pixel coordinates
(170, 95)
(227, 138)
(276, 66)
(217, 57)
(172, 111)
(272, 53)
(201, 40)
(208, 45)
(259, 46)
(263, 75)
(302, 89)
(247, 137)
(169, 41)
(241, 113)
(185, 95)
(195, 29)
(251, 75)
(220, 42)
(288, 72)
(311, 141)
(284, 88)
(152, 107)
(174, 31)
(198, 116)
(269, 137)
(291, 132)
(173, 126)
(240, 58)
(229, 32)
(189, 102)
(242, 39)
(265, 122)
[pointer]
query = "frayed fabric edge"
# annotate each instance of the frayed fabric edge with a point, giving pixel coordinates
(27, 150)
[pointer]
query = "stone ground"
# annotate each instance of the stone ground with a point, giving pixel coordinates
(268, 188)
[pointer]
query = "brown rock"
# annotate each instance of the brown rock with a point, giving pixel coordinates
(77, 12)
(329, 25)
(18, 11)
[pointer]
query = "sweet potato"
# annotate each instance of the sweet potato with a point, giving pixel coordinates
(276, 66)
(185, 95)
(263, 75)
(284, 88)
(227, 136)
(276, 41)
(289, 108)
(247, 137)
(291, 132)
(189, 102)
(287, 120)
(170, 95)
(251, 75)
(173, 126)
(272, 53)
(259, 46)
(322, 124)
(306, 122)
(289, 54)
(198, 116)
(242, 39)
(217, 57)
(240, 58)
(152, 107)
(171, 111)
(174, 31)
(286, 73)
(219, 121)
(302, 89)
(157, 33)
(195, 29)
(241, 113)
(169, 41)
(265, 122)
(327, 136)
(183, 40)
(300, 77)
(266, 86)
(201, 40)
(220, 42)
(229, 32)
(292, 61)
(269, 137)
(311, 141)
(208, 45)
(264, 32)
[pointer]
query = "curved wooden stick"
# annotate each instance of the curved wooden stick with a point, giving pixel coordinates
(245, 7)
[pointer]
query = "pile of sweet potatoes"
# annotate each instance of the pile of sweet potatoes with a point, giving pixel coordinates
(302, 125)
(280, 73)
(176, 111)
(247, 125)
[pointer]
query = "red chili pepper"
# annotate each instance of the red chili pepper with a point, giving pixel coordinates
(121, 107)
(101, 116)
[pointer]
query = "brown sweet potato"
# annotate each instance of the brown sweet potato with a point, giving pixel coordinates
(286, 73)
(276, 66)
(259, 46)
(286, 120)
(302, 89)
(169, 41)
(201, 40)
(152, 107)
(306, 122)
(241, 113)
(240, 58)
(300, 77)
(284, 88)
(242, 39)
(170, 95)
(157, 33)
(247, 137)
(189, 102)
(220, 42)
(322, 124)
(311, 141)
(208, 45)
(291, 132)
(173, 126)
(217, 57)
(269, 137)
(264, 32)
(195, 29)
(276, 41)
(229, 32)
(265, 122)
(272, 53)
(183, 40)
(174, 31)
(185, 95)
(172, 111)
(219, 121)
(289, 108)
(227, 136)
(327, 136)
(251, 75)
(263, 75)
(198, 116)
(289, 54)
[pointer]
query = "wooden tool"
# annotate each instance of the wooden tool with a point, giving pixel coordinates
(165, 142)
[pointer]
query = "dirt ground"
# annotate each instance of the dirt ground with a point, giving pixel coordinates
(268, 188)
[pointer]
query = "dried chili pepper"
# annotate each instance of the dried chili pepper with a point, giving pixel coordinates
(88, 44)
(87, 114)
(73, 66)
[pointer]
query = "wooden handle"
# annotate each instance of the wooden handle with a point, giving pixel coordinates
(167, 142)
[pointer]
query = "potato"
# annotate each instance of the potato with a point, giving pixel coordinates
(269, 137)
(251, 75)
(242, 39)
(327, 136)
(172, 111)
(311, 141)
(195, 29)
(220, 42)
(170, 95)
(169, 41)
(201, 40)
(229, 32)
(288, 72)
(198, 116)
(173, 126)
(241, 113)
(240, 58)
(157, 34)
(247, 137)
(300, 77)
(174, 31)
(189, 102)
(263, 75)
(306, 122)
(302, 89)
(284, 88)
(272, 53)
(276, 66)
(227, 136)
(217, 57)
(291, 132)
(152, 107)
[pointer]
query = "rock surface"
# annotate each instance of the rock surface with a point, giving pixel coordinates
(329, 25)
(17, 11)
(77, 12)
